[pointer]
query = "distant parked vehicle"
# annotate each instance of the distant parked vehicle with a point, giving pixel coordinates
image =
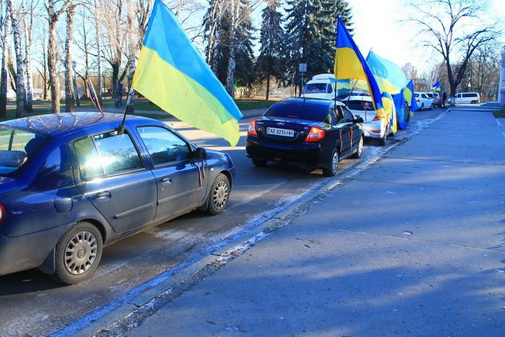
(467, 98)
(437, 100)
(373, 126)
(424, 101)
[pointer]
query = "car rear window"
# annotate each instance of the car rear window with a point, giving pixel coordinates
(17, 147)
(300, 110)
(359, 105)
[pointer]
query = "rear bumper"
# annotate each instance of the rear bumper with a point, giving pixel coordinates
(27, 251)
(308, 156)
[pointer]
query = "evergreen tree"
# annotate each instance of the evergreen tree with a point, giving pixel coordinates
(311, 27)
(272, 40)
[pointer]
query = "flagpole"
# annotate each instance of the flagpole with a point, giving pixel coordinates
(130, 97)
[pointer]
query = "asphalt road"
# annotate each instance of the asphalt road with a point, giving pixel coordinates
(31, 304)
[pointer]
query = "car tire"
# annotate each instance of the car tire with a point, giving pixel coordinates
(359, 150)
(259, 162)
(219, 194)
(333, 164)
(78, 253)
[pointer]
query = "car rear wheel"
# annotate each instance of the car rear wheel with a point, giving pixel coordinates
(219, 194)
(78, 253)
(359, 150)
(333, 164)
(259, 162)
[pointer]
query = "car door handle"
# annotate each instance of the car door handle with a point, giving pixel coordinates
(103, 196)
(166, 180)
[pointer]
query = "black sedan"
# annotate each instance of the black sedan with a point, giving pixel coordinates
(71, 184)
(307, 133)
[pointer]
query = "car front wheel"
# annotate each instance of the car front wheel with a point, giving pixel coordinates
(78, 253)
(219, 194)
(333, 164)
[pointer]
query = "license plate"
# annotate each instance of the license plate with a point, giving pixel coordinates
(280, 132)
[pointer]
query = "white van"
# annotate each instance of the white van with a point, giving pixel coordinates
(320, 86)
(467, 97)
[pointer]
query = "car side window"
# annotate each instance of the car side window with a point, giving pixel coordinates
(164, 146)
(106, 154)
(331, 118)
(348, 116)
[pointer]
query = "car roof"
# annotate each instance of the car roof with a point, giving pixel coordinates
(315, 101)
(64, 123)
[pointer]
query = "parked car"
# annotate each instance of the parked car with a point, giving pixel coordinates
(424, 101)
(71, 184)
(467, 98)
(307, 133)
(373, 126)
(437, 100)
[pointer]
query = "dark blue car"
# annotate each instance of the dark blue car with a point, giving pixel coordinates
(307, 133)
(71, 184)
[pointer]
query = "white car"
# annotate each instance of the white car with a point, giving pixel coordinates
(373, 126)
(424, 101)
(467, 97)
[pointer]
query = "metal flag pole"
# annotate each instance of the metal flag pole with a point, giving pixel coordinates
(130, 97)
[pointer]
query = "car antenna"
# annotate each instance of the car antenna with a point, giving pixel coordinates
(120, 130)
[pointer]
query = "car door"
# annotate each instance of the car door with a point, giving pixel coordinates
(180, 180)
(114, 179)
(344, 126)
(355, 131)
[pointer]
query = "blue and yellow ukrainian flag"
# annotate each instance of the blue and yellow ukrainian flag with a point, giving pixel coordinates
(350, 64)
(172, 74)
(388, 75)
(408, 93)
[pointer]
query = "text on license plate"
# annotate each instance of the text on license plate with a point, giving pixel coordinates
(280, 132)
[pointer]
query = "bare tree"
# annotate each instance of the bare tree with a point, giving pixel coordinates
(69, 84)
(53, 15)
(20, 81)
(453, 29)
(27, 23)
(5, 24)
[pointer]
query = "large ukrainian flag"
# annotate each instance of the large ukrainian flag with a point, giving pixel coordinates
(350, 64)
(388, 75)
(172, 74)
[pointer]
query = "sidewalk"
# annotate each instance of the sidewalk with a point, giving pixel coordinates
(412, 246)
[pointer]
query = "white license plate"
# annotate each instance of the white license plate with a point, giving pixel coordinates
(280, 132)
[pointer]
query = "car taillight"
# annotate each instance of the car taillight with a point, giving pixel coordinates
(252, 129)
(376, 118)
(315, 134)
(2, 214)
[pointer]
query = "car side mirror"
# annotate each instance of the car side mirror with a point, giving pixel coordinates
(358, 119)
(200, 153)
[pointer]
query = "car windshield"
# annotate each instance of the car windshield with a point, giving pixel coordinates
(312, 88)
(300, 110)
(17, 147)
(359, 105)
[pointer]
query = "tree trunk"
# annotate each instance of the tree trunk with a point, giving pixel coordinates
(3, 72)
(20, 80)
(70, 70)
(28, 61)
(99, 85)
(54, 84)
